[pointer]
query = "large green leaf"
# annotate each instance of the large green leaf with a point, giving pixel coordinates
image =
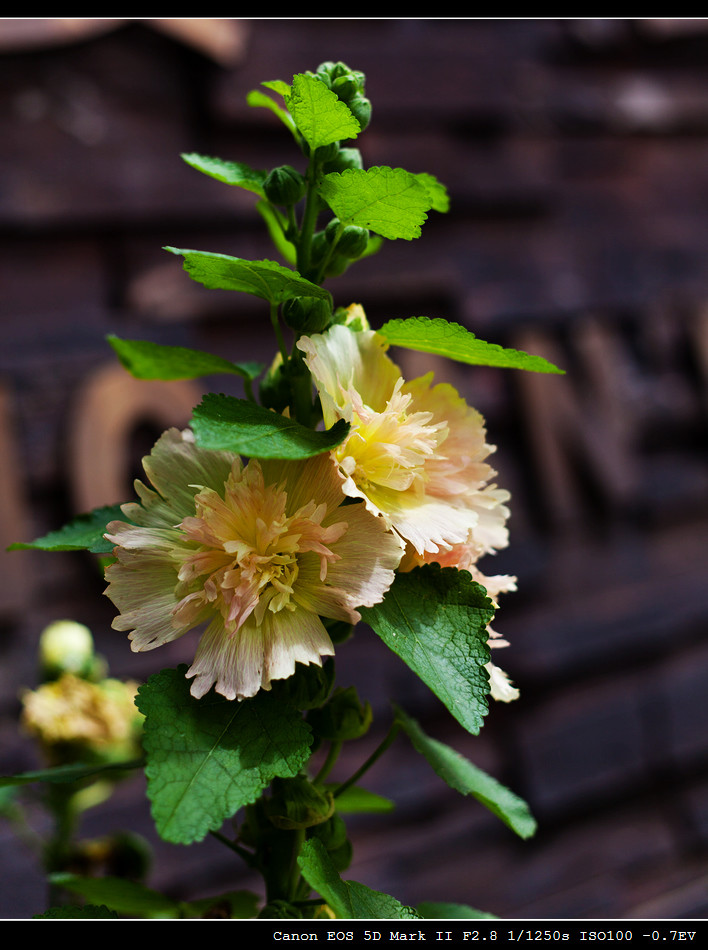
(389, 201)
(466, 778)
(348, 899)
(147, 360)
(444, 910)
(435, 619)
(121, 895)
(265, 279)
(237, 425)
(356, 800)
(84, 533)
(321, 117)
(435, 335)
(207, 758)
(231, 173)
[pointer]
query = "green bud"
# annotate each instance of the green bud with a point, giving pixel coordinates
(353, 317)
(336, 265)
(284, 186)
(343, 717)
(308, 687)
(345, 158)
(360, 107)
(346, 87)
(297, 803)
(332, 833)
(67, 647)
(326, 153)
(307, 314)
(353, 241)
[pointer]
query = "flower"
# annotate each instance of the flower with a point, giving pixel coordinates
(416, 453)
(259, 552)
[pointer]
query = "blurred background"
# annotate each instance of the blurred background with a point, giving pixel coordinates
(576, 157)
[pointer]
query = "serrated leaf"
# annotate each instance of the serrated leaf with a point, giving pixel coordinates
(320, 116)
(356, 800)
(146, 360)
(389, 201)
(72, 912)
(84, 533)
(119, 894)
(236, 425)
(435, 335)
(436, 620)
(271, 216)
(61, 774)
(466, 778)
(443, 910)
(259, 99)
(232, 173)
(277, 85)
(265, 279)
(437, 192)
(207, 758)
(348, 899)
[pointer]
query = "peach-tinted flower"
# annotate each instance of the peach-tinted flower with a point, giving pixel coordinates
(258, 552)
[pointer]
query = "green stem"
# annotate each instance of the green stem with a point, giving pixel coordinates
(278, 332)
(309, 219)
(323, 266)
(332, 756)
(241, 852)
(375, 755)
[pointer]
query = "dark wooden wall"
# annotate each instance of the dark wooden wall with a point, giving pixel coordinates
(576, 155)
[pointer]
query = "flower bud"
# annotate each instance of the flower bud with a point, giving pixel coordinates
(326, 153)
(343, 717)
(66, 647)
(353, 241)
(308, 687)
(345, 158)
(284, 186)
(360, 107)
(307, 314)
(297, 803)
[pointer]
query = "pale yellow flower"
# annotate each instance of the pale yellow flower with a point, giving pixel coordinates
(257, 552)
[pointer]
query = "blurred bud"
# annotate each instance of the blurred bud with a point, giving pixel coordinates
(353, 317)
(343, 717)
(284, 186)
(360, 107)
(345, 87)
(67, 647)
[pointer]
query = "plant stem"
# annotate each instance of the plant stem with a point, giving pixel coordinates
(328, 763)
(375, 755)
(278, 332)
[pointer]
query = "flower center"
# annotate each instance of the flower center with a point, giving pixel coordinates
(389, 449)
(246, 551)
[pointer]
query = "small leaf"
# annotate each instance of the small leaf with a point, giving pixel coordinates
(466, 778)
(207, 758)
(236, 425)
(321, 117)
(389, 201)
(257, 99)
(436, 620)
(265, 279)
(355, 800)
(84, 533)
(435, 335)
(146, 360)
(348, 899)
(437, 192)
(443, 910)
(271, 216)
(119, 894)
(61, 774)
(232, 173)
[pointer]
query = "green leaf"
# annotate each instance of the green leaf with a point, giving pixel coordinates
(435, 335)
(232, 173)
(62, 774)
(119, 894)
(84, 533)
(321, 117)
(207, 758)
(147, 360)
(437, 192)
(259, 99)
(236, 425)
(271, 216)
(389, 201)
(265, 279)
(72, 912)
(435, 619)
(442, 910)
(348, 899)
(355, 800)
(466, 778)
